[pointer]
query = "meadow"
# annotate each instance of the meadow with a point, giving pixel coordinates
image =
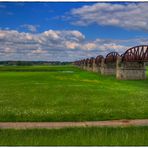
(94, 136)
(66, 93)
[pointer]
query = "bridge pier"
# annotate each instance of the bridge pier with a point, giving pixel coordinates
(90, 64)
(93, 66)
(84, 67)
(130, 70)
(81, 66)
(96, 68)
(87, 67)
(98, 60)
(108, 68)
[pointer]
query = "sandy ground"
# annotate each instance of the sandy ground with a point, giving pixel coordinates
(50, 125)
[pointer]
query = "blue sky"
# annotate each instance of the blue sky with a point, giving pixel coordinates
(68, 31)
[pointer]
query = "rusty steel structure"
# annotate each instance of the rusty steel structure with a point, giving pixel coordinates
(136, 54)
(98, 59)
(87, 62)
(111, 57)
(83, 62)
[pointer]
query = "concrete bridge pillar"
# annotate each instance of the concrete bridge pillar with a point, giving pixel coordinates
(84, 66)
(81, 66)
(99, 68)
(96, 68)
(130, 70)
(102, 66)
(93, 66)
(108, 68)
(87, 67)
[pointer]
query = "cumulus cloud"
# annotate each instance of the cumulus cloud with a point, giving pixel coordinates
(71, 45)
(48, 45)
(52, 34)
(89, 46)
(31, 28)
(128, 15)
(9, 50)
(64, 45)
(39, 51)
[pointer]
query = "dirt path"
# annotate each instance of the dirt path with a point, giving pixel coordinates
(113, 123)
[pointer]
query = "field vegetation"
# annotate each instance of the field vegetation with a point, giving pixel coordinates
(121, 136)
(66, 93)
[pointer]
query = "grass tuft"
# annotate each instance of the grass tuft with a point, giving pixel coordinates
(121, 136)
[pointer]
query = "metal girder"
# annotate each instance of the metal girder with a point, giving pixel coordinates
(136, 54)
(98, 59)
(111, 57)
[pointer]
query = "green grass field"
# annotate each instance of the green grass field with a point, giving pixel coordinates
(66, 93)
(121, 136)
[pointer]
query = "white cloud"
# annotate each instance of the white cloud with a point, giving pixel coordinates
(71, 45)
(65, 45)
(129, 15)
(89, 46)
(31, 28)
(51, 34)
(8, 50)
(44, 46)
(39, 51)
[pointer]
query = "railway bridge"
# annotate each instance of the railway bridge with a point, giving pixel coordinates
(129, 65)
